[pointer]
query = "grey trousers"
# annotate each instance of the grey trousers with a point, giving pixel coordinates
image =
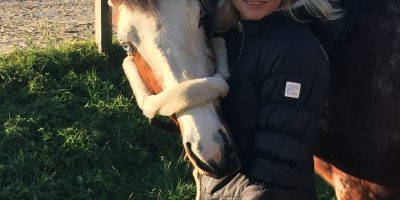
(234, 187)
(240, 187)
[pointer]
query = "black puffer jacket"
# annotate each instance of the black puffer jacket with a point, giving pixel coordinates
(278, 85)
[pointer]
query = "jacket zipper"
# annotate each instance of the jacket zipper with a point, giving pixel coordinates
(241, 32)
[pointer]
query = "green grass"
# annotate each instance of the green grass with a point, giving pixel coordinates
(69, 129)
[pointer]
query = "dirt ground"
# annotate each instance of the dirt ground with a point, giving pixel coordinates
(25, 23)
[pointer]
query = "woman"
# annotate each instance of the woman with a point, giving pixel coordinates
(278, 84)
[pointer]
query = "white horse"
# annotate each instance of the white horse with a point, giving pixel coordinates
(172, 71)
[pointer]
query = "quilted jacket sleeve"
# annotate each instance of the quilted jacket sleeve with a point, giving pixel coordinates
(293, 88)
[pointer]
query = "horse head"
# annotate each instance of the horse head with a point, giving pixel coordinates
(169, 38)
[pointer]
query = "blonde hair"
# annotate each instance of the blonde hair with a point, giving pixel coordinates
(225, 15)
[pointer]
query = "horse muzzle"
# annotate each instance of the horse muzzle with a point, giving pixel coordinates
(228, 161)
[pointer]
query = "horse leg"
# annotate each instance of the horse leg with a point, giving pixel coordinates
(349, 187)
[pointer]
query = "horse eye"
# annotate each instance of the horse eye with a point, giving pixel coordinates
(125, 46)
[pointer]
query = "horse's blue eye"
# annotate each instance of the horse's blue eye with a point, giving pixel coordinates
(125, 46)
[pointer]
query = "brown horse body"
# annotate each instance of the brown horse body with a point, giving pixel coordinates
(359, 154)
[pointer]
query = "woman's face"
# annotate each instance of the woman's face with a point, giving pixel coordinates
(255, 9)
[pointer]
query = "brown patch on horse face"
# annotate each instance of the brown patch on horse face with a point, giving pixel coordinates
(147, 74)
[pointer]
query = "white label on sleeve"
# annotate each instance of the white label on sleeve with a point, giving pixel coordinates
(292, 90)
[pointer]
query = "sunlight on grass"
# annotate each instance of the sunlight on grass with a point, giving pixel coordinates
(69, 129)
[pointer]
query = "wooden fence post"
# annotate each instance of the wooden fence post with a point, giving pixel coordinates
(103, 27)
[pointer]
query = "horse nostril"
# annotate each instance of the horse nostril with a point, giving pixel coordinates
(197, 161)
(227, 164)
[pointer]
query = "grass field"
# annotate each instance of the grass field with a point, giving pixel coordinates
(69, 129)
